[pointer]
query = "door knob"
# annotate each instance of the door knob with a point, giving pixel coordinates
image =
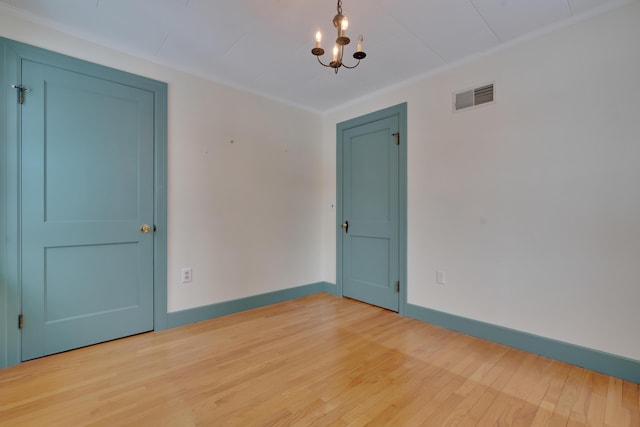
(145, 228)
(345, 225)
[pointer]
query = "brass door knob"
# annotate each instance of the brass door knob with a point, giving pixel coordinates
(145, 228)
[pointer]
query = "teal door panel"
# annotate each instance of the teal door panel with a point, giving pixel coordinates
(87, 187)
(370, 198)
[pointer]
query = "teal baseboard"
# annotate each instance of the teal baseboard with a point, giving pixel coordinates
(198, 314)
(595, 360)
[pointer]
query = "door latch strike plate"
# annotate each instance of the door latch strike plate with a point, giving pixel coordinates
(398, 286)
(20, 321)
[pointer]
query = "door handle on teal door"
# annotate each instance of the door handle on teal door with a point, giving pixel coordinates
(345, 225)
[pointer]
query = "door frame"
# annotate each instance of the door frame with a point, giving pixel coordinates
(11, 55)
(400, 111)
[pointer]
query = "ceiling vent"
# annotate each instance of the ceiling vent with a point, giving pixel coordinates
(473, 97)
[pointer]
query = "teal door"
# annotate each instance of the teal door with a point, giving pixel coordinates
(87, 158)
(369, 221)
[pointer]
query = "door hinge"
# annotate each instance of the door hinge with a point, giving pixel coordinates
(398, 286)
(20, 321)
(397, 135)
(21, 91)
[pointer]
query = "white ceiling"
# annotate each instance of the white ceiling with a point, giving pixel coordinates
(265, 45)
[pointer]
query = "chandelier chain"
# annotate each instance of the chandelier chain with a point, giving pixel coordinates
(339, 7)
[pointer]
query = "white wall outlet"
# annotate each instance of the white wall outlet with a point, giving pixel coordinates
(441, 277)
(186, 275)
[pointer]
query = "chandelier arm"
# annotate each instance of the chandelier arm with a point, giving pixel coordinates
(322, 63)
(354, 66)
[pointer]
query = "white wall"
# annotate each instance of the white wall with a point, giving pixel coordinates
(530, 205)
(245, 216)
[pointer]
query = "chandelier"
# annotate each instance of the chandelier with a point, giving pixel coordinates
(341, 23)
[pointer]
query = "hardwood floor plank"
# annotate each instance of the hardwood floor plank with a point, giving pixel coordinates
(315, 361)
(630, 398)
(614, 415)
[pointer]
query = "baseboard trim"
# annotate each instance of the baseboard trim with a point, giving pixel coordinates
(595, 360)
(198, 314)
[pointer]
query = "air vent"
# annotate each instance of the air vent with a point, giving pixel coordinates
(472, 97)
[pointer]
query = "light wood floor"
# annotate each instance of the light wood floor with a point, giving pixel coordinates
(318, 360)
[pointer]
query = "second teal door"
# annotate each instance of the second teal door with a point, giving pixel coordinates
(370, 263)
(87, 191)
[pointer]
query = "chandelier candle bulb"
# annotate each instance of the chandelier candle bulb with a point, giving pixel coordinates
(318, 38)
(359, 47)
(335, 53)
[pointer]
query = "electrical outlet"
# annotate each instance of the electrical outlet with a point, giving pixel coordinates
(186, 275)
(441, 277)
